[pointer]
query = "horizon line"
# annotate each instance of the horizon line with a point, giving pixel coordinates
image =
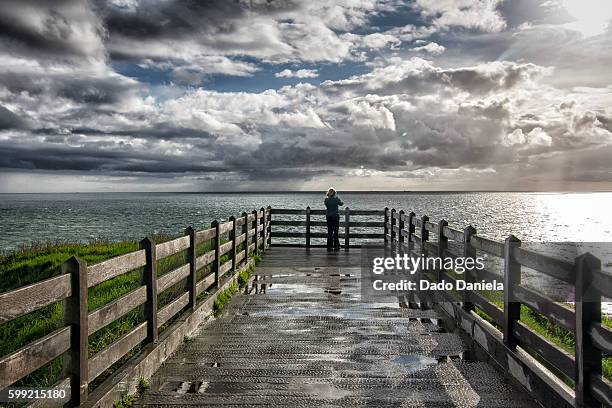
(316, 192)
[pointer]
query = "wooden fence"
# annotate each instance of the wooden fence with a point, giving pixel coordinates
(592, 339)
(349, 221)
(404, 229)
(249, 232)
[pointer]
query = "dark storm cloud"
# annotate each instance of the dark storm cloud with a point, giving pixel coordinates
(55, 29)
(9, 120)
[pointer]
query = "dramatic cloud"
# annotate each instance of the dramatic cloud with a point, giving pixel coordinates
(195, 95)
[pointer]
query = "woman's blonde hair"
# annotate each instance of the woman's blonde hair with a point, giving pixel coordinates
(331, 191)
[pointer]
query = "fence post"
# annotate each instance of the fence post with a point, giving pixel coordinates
(402, 226)
(269, 233)
(468, 252)
(386, 239)
(217, 244)
(512, 277)
(588, 311)
(393, 219)
(191, 255)
(256, 236)
(308, 227)
(424, 232)
(245, 231)
(411, 228)
(442, 245)
(149, 277)
(264, 225)
(75, 362)
(347, 220)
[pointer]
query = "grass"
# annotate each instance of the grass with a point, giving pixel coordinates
(542, 325)
(224, 297)
(42, 261)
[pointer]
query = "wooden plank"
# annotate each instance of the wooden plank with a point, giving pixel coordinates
(205, 283)
(225, 248)
(172, 278)
(368, 212)
(205, 259)
(542, 304)
(490, 308)
(225, 227)
(225, 267)
(239, 257)
(557, 268)
(112, 311)
(554, 355)
(172, 308)
(602, 390)
(601, 337)
(454, 234)
(240, 239)
(602, 283)
(119, 265)
(431, 227)
(487, 245)
(286, 211)
(29, 298)
(108, 356)
(32, 356)
(205, 235)
(175, 246)
(149, 279)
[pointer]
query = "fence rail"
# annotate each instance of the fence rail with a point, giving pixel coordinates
(71, 287)
(592, 339)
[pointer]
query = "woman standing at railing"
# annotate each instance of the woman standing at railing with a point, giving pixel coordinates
(332, 202)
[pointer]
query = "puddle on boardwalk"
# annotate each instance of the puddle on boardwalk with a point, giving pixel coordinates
(413, 362)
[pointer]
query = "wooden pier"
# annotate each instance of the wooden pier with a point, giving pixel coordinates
(303, 336)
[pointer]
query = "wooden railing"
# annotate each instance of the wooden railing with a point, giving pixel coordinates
(349, 221)
(592, 339)
(249, 232)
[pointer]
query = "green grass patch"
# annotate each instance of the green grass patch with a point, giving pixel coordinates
(126, 401)
(224, 297)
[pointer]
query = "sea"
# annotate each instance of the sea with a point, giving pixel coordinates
(536, 218)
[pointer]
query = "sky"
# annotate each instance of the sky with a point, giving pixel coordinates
(185, 95)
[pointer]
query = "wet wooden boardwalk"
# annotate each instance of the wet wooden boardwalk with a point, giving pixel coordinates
(307, 340)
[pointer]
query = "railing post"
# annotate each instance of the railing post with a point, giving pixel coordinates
(191, 255)
(245, 231)
(386, 225)
(269, 233)
(308, 227)
(232, 236)
(424, 232)
(347, 221)
(588, 311)
(75, 362)
(411, 228)
(442, 245)
(512, 277)
(393, 219)
(402, 226)
(149, 277)
(217, 244)
(264, 225)
(468, 252)
(256, 223)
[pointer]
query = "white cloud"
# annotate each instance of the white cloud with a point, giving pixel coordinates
(478, 14)
(431, 48)
(300, 73)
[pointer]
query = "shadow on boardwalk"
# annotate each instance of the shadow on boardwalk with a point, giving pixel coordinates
(308, 341)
